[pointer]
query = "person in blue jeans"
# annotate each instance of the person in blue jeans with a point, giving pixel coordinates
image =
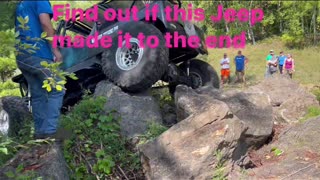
(46, 106)
(281, 59)
(240, 62)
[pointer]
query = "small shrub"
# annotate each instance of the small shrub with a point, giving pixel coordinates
(97, 150)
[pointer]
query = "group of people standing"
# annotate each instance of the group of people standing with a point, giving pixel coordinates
(240, 62)
(284, 63)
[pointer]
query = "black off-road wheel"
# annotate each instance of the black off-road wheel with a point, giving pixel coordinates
(202, 73)
(14, 114)
(136, 68)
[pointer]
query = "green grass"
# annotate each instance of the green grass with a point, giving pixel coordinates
(313, 111)
(306, 60)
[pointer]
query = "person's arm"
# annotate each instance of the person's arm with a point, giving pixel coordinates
(45, 13)
(48, 28)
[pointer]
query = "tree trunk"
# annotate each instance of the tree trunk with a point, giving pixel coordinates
(315, 16)
(250, 27)
(225, 23)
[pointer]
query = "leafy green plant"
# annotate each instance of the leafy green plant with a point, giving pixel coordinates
(57, 73)
(276, 151)
(97, 149)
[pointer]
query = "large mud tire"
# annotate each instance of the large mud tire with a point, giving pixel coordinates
(14, 115)
(149, 66)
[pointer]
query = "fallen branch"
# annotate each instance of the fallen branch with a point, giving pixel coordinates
(124, 174)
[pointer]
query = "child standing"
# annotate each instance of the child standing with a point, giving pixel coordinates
(289, 65)
(225, 69)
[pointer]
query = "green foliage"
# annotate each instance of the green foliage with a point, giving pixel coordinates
(9, 88)
(316, 92)
(154, 130)
(313, 111)
(276, 151)
(18, 174)
(7, 68)
(7, 63)
(97, 149)
(219, 173)
(163, 96)
(58, 78)
(7, 9)
(9, 146)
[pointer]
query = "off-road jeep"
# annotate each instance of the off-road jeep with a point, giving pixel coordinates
(133, 69)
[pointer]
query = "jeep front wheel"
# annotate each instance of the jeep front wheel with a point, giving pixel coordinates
(138, 67)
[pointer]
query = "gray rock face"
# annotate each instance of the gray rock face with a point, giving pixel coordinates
(209, 123)
(300, 154)
(44, 161)
(187, 150)
(18, 115)
(253, 108)
(289, 100)
(136, 111)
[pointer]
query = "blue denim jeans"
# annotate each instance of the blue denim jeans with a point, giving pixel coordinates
(46, 105)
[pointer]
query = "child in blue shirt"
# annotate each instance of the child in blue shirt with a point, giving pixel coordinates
(281, 59)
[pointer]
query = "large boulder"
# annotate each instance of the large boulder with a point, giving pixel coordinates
(290, 101)
(253, 108)
(294, 155)
(135, 110)
(208, 124)
(188, 149)
(42, 160)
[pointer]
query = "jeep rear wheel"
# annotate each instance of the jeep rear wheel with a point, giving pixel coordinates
(136, 68)
(202, 74)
